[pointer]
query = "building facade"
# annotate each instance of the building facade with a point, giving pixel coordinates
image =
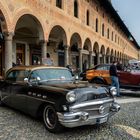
(72, 32)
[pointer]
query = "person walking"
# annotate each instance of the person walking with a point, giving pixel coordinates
(114, 77)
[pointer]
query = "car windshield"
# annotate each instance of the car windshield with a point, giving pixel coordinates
(50, 74)
(102, 67)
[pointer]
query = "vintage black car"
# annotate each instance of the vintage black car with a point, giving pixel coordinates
(53, 94)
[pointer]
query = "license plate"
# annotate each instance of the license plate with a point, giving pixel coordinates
(102, 120)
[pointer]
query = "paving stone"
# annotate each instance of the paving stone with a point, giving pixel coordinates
(122, 126)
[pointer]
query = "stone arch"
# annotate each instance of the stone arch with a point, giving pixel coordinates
(87, 45)
(3, 32)
(115, 55)
(118, 56)
(102, 54)
(5, 21)
(112, 57)
(102, 50)
(108, 51)
(121, 56)
(75, 46)
(63, 27)
(96, 53)
(76, 39)
(108, 55)
(57, 42)
(26, 11)
(87, 48)
(31, 34)
(28, 17)
(96, 47)
(60, 33)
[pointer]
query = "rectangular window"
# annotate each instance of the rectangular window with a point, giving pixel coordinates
(59, 3)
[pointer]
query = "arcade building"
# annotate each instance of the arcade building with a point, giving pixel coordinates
(72, 32)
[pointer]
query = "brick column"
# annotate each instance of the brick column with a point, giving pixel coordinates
(43, 48)
(8, 49)
(104, 58)
(109, 59)
(98, 58)
(80, 59)
(90, 59)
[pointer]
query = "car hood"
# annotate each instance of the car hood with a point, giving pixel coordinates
(83, 90)
(70, 85)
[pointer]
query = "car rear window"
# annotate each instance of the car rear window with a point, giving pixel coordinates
(17, 75)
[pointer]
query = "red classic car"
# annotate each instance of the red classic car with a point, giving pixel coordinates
(100, 74)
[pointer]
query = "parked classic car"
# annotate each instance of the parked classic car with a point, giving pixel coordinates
(129, 77)
(53, 94)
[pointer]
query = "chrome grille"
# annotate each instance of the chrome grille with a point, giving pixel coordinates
(93, 109)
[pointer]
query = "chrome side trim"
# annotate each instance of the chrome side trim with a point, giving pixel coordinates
(35, 98)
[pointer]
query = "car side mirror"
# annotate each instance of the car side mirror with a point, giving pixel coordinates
(38, 79)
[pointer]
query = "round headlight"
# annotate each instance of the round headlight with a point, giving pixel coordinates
(113, 91)
(71, 97)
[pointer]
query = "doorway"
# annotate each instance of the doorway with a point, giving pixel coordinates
(20, 54)
(35, 53)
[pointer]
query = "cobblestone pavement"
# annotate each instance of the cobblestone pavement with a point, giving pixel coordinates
(125, 125)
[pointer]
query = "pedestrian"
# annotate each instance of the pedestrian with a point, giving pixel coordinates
(114, 77)
(49, 61)
(119, 66)
(19, 62)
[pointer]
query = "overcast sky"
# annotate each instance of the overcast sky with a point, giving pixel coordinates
(129, 11)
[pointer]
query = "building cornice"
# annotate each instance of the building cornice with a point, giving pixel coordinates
(110, 9)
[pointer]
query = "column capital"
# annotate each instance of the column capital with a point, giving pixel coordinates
(66, 46)
(80, 49)
(90, 51)
(8, 35)
(43, 41)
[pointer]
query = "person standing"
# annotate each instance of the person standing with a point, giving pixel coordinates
(119, 66)
(114, 77)
(49, 61)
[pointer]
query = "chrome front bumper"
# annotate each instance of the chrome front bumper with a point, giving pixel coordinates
(79, 118)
